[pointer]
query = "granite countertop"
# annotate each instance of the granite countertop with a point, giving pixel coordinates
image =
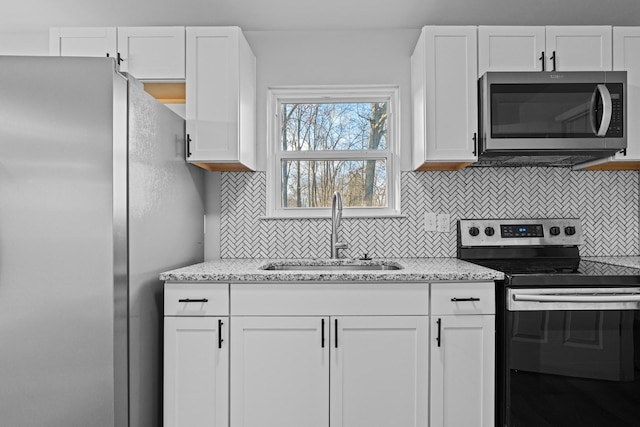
(624, 261)
(413, 269)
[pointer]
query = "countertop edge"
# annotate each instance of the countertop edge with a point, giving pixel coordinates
(414, 270)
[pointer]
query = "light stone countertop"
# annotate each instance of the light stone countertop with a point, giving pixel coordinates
(624, 261)
(413, 270)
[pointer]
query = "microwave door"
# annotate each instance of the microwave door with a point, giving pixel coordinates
(541, 110)
(548, 116)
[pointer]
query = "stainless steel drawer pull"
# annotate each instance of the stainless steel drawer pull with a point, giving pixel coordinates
(464, 299)
(193, 300)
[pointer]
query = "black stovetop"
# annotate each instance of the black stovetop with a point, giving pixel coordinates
(561, 272)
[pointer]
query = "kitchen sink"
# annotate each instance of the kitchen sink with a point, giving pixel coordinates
(328, 266)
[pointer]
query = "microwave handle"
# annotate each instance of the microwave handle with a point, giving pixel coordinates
(607, 107)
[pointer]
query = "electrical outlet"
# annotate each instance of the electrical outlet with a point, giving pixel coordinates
(442, 223)
(430, 223)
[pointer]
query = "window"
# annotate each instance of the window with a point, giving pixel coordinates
(324, 140)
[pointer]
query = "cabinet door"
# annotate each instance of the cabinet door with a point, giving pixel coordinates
(379, 371)
(220, 84)
(196, 371)
(626, 57)
(95, 42)
(462, 371)
(507, 48)
(444, 70)
(280, 372)
(152, 53)
(579, 48)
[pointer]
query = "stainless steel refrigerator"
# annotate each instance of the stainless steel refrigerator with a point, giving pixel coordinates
(95, 201)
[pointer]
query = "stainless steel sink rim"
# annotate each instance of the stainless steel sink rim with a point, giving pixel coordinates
(345, 266)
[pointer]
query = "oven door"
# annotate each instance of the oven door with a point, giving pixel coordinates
(571, 357)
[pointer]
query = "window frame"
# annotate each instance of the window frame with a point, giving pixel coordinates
(332, 94)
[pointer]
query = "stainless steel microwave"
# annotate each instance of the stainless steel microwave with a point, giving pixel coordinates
(553, 118)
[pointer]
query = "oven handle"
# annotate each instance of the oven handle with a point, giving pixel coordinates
(608, 298)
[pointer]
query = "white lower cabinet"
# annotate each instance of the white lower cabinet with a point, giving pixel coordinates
(462, 379)
(196, 371)
(379, 371)
(280, 372)
(363, 370)
(329, 355)
(196, 355)
(462, 371)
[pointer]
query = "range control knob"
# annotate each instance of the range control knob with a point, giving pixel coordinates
(474, 231)
(554, 231)
(489, 231)
(569, 230)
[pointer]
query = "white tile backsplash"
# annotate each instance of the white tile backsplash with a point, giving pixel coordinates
(605, 201)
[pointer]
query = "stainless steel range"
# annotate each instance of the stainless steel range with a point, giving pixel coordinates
(567, 329)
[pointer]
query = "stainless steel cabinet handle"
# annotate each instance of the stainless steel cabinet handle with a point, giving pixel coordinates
(464, 299)
(439, 322)
(542, 59)
(336, 340)
(322, 343)
(193, 300)
(553, 58)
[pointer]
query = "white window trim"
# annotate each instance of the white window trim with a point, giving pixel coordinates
(318, 94)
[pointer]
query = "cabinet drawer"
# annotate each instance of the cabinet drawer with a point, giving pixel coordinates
(196, 299)
(463, 298)
(329, 299)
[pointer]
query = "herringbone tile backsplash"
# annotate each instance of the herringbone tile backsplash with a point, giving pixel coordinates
(605, 201)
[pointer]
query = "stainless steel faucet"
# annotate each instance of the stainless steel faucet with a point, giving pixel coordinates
(336, 217)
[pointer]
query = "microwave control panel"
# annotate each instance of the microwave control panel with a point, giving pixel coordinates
(616, 127)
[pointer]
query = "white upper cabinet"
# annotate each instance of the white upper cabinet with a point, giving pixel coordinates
(505, 48)
(626, 57)
(147, 53)
(444, 74)
(221, 99)
(98, 42)
(150, 53)
(578, 48)
(537, 48)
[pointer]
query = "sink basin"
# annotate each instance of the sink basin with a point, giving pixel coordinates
(330, 266)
